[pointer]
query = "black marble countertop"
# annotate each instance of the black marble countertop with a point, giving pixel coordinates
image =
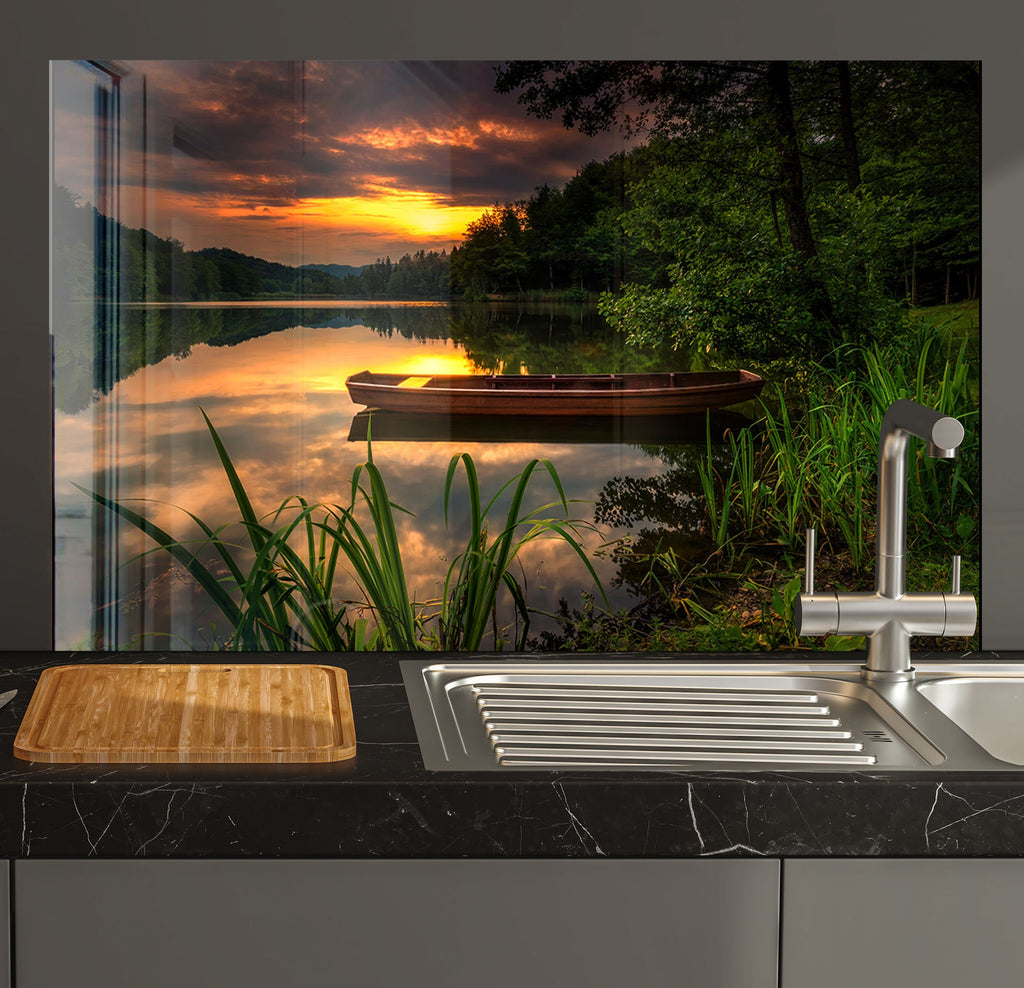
(383, 803)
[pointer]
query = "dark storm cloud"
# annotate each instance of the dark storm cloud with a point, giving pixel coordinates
(276, 132)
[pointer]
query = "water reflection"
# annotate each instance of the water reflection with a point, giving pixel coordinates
(385, 426)
(542, 338)
(272, 381)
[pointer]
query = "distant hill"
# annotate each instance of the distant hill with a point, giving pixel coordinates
(337, 270)
(244, 276)
(156, 269)
(264, 268)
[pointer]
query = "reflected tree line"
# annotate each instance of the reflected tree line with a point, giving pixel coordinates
(86, 368)
(546, 338)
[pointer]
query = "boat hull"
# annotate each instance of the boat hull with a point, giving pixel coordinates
(682, 393)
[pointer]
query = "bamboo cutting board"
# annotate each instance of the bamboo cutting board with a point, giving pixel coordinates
(188, 713)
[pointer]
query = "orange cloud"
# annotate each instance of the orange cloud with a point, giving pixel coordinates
(410, 134)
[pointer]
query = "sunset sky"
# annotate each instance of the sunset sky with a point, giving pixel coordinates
(317, 162)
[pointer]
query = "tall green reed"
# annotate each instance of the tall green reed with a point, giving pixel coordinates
(470, 596)
(281, 600)
(375, 557)
(718, 505)
(938, 487)
(787, 474)
(283, 596)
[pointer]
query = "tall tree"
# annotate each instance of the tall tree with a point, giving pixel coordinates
(846, 126)
(794, 203)
(684, 99)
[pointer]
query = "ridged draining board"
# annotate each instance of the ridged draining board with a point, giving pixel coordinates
(658, 715)
(558, 725)
(222, 712)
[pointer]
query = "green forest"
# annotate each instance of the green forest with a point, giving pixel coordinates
(772, 204)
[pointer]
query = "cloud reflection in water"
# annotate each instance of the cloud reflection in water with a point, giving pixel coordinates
(279, 403)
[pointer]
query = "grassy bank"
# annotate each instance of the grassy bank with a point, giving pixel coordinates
(808, 460)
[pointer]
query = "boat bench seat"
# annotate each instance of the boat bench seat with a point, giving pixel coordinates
(556, 382)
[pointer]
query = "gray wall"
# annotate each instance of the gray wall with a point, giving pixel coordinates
(34, 33)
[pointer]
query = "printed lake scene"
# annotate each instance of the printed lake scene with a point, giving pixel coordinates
(520, 356)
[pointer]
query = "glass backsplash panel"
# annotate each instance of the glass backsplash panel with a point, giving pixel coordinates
(620, 332)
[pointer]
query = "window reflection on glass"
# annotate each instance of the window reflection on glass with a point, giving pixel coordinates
(237, 239)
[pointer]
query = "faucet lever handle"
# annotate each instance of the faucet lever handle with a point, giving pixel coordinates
(809, 563)
(956, 574)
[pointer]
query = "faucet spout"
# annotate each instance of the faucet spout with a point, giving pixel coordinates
(889, 616)
(943, 435)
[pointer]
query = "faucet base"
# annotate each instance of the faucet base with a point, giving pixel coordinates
(886, 675)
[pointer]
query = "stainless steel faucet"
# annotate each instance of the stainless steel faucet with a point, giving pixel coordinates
(889, 615)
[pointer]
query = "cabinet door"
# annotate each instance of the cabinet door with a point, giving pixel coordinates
(5, 924)
(397, 923)
(884, 921)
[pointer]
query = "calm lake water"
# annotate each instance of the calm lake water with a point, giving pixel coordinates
(272, 380)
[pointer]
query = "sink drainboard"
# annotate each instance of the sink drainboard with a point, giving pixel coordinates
(553, 725)
(521, 715)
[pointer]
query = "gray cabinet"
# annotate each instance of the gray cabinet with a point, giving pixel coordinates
(884, 921)
(397, 923)
(544, 923)
(5, 925)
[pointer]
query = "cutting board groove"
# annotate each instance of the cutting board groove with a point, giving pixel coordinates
(219, 712)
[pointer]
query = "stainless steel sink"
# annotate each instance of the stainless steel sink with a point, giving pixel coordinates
(597, 714)
(990, 710)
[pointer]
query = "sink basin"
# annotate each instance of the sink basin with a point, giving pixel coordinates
(990, 710)
(648, 714)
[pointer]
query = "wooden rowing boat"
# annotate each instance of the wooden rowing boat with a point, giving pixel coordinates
(673, 393)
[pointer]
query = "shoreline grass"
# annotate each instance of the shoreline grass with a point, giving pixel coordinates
(810, 460)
